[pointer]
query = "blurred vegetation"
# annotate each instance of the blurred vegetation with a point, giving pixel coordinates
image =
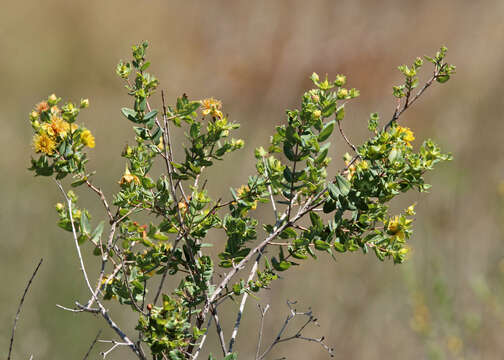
(257, 58)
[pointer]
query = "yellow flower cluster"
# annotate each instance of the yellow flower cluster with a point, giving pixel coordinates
(87, 138)
(242, 193)
(408, 136)
(213, 107)
(54, 129)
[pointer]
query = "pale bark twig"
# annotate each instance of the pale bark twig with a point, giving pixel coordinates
(18, 312)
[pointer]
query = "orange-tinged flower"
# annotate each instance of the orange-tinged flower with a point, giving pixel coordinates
(213, 107)
(182, 207)
(41, 107)
(43, 143)
(55, 109)
(128, 177)
(57, 127)
(87, 138)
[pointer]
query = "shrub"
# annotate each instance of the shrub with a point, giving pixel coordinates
(345, 210)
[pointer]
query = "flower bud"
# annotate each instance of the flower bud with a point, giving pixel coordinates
(34, 115)
(52, 99)
(84, 103)
(342, 93)
(317, 114)
(59, 207)
(340, 80)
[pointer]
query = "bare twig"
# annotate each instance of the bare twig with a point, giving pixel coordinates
(102, 198)
(354, 148)
(20, 306)
(76, 241)
(92, 345)
(261, 327)
(160, 287)
(104, 313)
(218, 327)
(298, 335)
(114, 345)
(80, 308)
(273, 203)
(242, 304)
(203, 339)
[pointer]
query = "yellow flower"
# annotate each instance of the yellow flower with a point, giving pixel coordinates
(395, 228)
(242, 191)
(182, 206)
(57, 127)
(87, 138)
(408, 136)
(128, 178)
(41, 107)
(411, 210)
(43, 143)
(212, 106)
(393, 225)
(160, 146)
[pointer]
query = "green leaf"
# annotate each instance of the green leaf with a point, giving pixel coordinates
(95, 236)
(292, 135)
(288, 152)
(130, 114)
(340, 113)
(323, 152)
(321, 245)
(339, 246)
(78, 183)
(150, 115)
(280, 266)
(329, 205)
(288, 175)
(195, 129)
(343, 185)
(326, 131)
(316, 220)
(85, 227)
(329, 109)
(145, 66)
(333, 191)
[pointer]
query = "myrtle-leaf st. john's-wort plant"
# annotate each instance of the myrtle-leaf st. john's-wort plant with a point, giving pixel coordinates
(315, 210)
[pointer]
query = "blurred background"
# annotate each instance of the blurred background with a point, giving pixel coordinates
(256, 56)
